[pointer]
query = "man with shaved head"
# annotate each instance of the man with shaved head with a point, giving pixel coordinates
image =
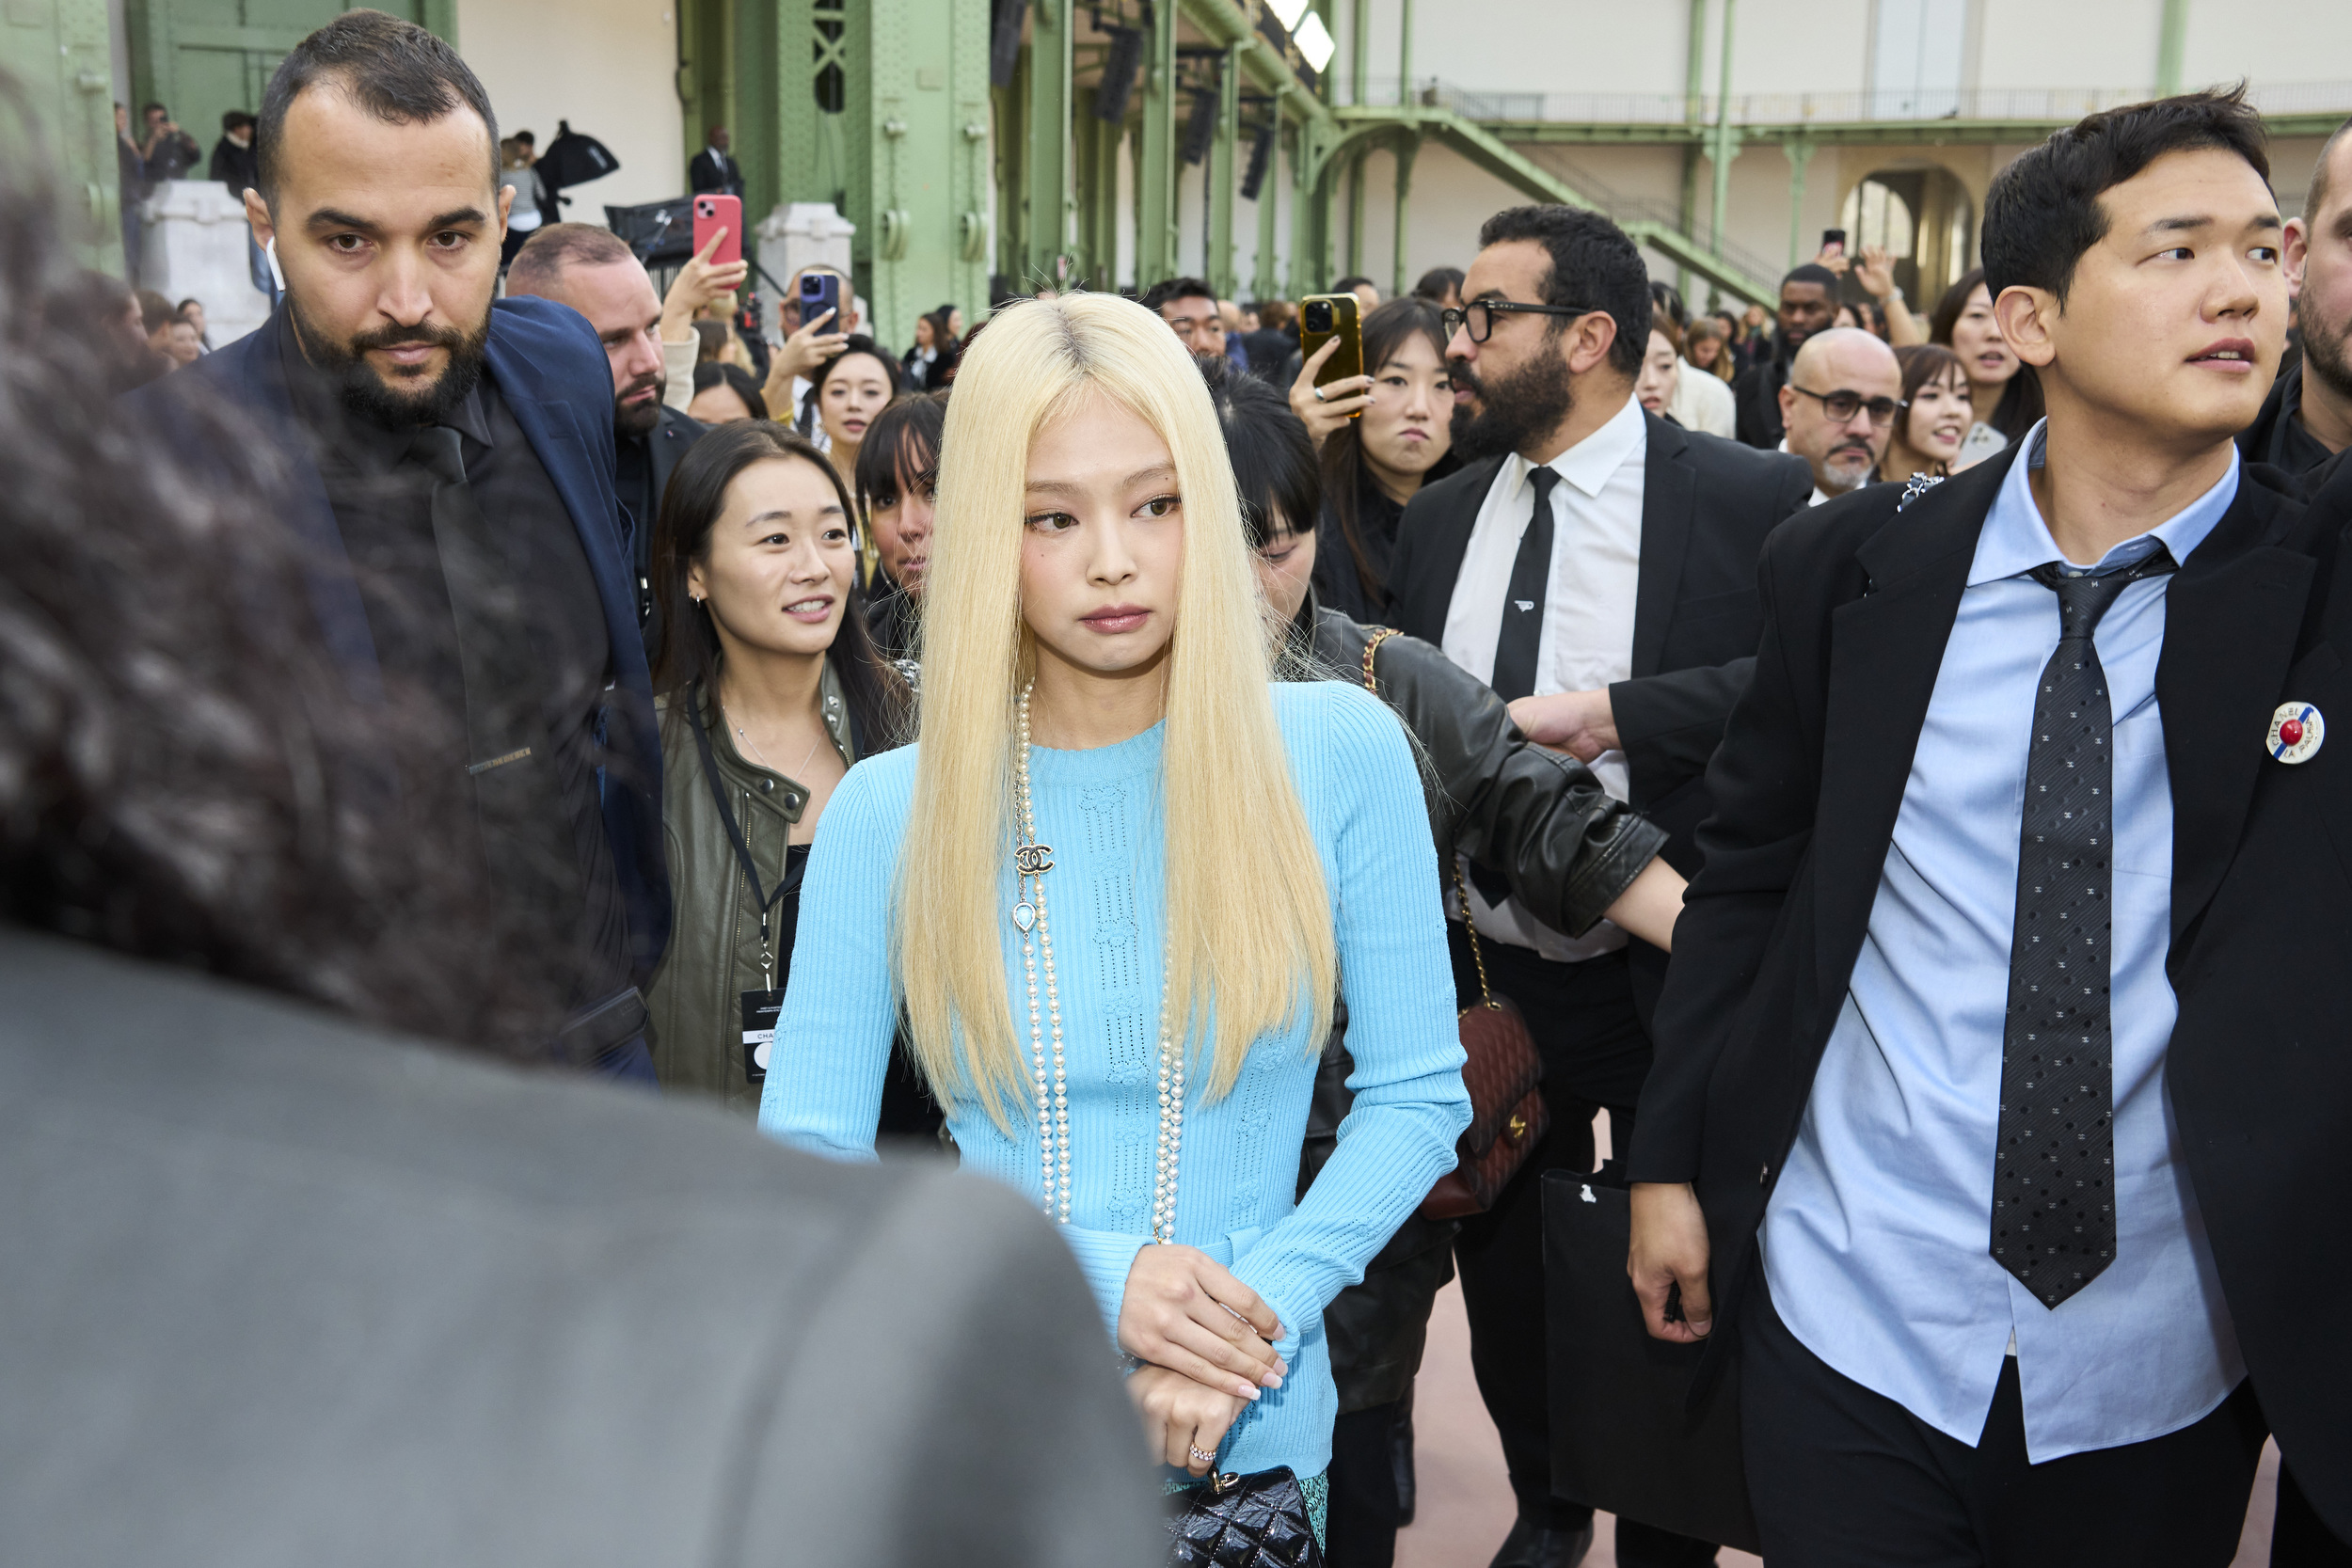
(1839, 406)
(452, 467)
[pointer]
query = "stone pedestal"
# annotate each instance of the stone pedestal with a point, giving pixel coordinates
(194, 248)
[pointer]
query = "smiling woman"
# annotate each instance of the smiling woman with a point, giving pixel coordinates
(1131, 876)
(769, 689)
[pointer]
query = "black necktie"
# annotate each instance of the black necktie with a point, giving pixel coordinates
(1523, 634)
(2053, 1168)
(525, 832)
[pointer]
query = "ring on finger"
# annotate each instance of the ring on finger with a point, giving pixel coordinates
(1201, 1458)
(1320, 398)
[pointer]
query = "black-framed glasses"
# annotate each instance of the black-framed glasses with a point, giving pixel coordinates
(1842, 406)
(1479, 315)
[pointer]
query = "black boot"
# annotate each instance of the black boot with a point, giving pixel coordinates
(1543, 1542)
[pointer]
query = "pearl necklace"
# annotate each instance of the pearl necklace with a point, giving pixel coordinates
(1030, 862)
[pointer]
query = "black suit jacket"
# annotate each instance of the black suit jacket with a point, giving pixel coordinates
(707, 173)
(1857, 611)
(1707, 505)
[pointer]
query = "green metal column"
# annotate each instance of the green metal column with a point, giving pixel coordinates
(1799, 152)
(1224, 268)
(1726, 139)
(1356, 262)
(1693, 114)
(1045, 164)
(1155, 186)
(2169, 45)
(1404, 54)
(1408, 148)
(59, 53)
(1360, 51)
(1269, 279)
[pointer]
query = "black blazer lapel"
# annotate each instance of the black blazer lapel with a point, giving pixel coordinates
(1451, 510)
(2230, 621)
(1885, 651)
(1669, 488)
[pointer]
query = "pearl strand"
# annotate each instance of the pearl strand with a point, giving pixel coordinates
(1030, 863)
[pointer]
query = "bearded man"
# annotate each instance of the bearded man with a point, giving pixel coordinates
(1597, 566)
(452, 466)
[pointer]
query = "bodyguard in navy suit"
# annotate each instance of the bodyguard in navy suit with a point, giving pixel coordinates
(1997, 1123)
(451, 462)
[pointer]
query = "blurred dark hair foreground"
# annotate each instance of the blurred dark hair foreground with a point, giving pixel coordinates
(184, 774)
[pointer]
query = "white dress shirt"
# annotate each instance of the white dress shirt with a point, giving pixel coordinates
(1587, 640)
(1819, 495)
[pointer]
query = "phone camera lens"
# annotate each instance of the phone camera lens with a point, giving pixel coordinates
(1318, 318)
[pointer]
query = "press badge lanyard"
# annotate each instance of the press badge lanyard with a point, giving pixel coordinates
(766, 999)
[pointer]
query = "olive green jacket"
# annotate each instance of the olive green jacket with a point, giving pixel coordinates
(713, 956)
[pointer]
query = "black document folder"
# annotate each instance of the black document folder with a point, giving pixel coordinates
(1623, 1435)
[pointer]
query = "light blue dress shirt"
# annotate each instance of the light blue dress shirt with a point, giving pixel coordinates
(1876, 1239)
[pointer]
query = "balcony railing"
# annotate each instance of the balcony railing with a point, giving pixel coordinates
(1791, 108)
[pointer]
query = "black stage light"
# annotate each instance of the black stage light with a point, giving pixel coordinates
(1119, 66)
(1260, 160)
(1201, 130)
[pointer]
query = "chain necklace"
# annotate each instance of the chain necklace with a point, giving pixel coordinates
(1030, 862)
(744, 735)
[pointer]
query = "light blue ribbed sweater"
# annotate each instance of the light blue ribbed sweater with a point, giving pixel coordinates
(1101, 810)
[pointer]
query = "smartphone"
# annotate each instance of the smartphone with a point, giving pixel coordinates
(713, 213)
(1833, 242)
(1323, 317)
(821, 292)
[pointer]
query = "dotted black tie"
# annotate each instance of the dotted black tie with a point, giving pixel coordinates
(2053, 1174)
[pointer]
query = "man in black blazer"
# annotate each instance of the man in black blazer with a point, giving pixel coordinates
(1605, 558)
(451, 461)
(714, 168)
(2001, 1084)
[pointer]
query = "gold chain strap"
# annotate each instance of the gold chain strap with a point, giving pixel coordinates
(1478, 956)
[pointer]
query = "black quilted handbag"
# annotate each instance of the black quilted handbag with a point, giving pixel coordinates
(1253, 1521)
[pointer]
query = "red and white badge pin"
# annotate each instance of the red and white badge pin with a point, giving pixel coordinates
(2296, 732)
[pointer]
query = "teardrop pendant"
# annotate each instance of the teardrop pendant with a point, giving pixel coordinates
(1023, 914)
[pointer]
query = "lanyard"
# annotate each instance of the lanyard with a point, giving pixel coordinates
(767, 901)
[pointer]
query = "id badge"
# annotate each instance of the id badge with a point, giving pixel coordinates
(760, 1008)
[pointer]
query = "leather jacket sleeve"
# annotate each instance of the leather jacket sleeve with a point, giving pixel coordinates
(1568, 849)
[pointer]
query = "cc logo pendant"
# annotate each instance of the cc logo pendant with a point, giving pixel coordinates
(1033, 859)
(2296, 731)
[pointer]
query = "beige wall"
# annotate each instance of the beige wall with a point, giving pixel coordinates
(608, 66)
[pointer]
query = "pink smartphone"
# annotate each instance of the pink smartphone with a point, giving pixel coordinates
(713, 213)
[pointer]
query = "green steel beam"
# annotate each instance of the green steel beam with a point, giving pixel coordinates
(1727, 142)
(1046, 175)
(1223, 265)
(1408, 148)
(1836, 132)
(1155, 184)
(1481, 147)
(2170, 36)
(1268, 281)
(1359, 50)
(1799, 153)
(58, 55)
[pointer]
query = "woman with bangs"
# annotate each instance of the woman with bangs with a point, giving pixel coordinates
(1127, 875)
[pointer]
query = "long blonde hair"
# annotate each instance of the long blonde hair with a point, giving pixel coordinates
(1249, 920)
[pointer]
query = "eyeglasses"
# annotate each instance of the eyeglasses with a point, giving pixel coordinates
(1842, 406)
(1479, 315)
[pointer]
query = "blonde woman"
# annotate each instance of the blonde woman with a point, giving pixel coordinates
(1115, 886)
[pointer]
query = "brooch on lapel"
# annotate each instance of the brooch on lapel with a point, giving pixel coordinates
(1919, 484)
(2296, 733)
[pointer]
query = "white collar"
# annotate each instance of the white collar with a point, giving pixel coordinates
(1590, 463)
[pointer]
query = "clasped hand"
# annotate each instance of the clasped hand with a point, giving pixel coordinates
(1209, 1342)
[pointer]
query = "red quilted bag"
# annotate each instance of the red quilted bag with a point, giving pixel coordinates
(1503, 1074)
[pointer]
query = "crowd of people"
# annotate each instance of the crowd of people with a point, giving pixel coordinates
(1113, 767)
